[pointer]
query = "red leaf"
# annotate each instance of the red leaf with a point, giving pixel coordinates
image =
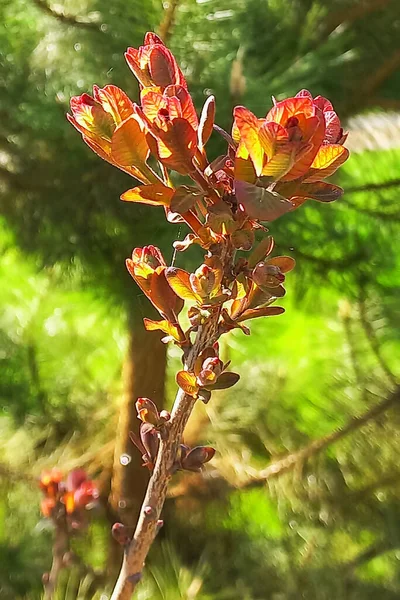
(243, 239)
(285, 263)
(184, 198)
(114, 101)
(163, 296)
(272, 135)
(326, 162)
(260, 203)
(176, 146)
(165, 326)
(321, 191)
(188, 110)
(187, 383)
(261, 251)
(128, 145)
(253, 313)
(179, 280)
(248, 126)
(156, 194)
(226, 380)
(206, 121)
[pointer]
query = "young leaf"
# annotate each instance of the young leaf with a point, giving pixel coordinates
(176, 146)
(128, 144)
(179, 280)
(156, 194)
(165, 326)
(184, 199)
(260, 203)
(243, 239)
(206, 121)
(249, 125)
(328, 159)
(321, 191)
(187, 383)
(285, 263)
(271, 136)
(162, 295)
(226, 380)
(261, 251)
(268, 311)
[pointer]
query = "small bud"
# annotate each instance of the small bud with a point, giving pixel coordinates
(165, 415)
(197, 457)
(148, 511)
(121, 534)
(150, 440)
(45, 578)
(265, 275)
(160, 523)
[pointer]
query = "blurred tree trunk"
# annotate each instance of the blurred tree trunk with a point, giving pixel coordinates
(143, 375)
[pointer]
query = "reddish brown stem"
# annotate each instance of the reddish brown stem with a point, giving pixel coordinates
(60, 547)
(146, 528)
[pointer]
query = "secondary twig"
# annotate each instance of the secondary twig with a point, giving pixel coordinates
(60, 547)
(291, 460)
(66, 19)
(373, 341)
(167, 24)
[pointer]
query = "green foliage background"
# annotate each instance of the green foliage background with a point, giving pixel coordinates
(329, 528)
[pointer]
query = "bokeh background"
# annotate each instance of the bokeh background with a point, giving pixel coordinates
(303, 497)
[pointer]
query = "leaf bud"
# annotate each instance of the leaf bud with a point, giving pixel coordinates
(121, 534)
(265, 275)
(203, 281)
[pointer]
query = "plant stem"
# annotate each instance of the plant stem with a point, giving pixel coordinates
(60, 547)
(146, 529)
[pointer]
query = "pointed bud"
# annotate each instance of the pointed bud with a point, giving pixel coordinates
(150, 441)
(197, 457)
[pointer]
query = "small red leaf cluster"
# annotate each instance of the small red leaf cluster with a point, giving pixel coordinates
(152, 427)
(66, 496)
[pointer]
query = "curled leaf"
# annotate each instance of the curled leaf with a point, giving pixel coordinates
(197, 457)
(206, 121)
(268, 311)
(169, 328)
(320, 190)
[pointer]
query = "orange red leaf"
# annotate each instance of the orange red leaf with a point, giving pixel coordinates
(129, 145)
(156, 194)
